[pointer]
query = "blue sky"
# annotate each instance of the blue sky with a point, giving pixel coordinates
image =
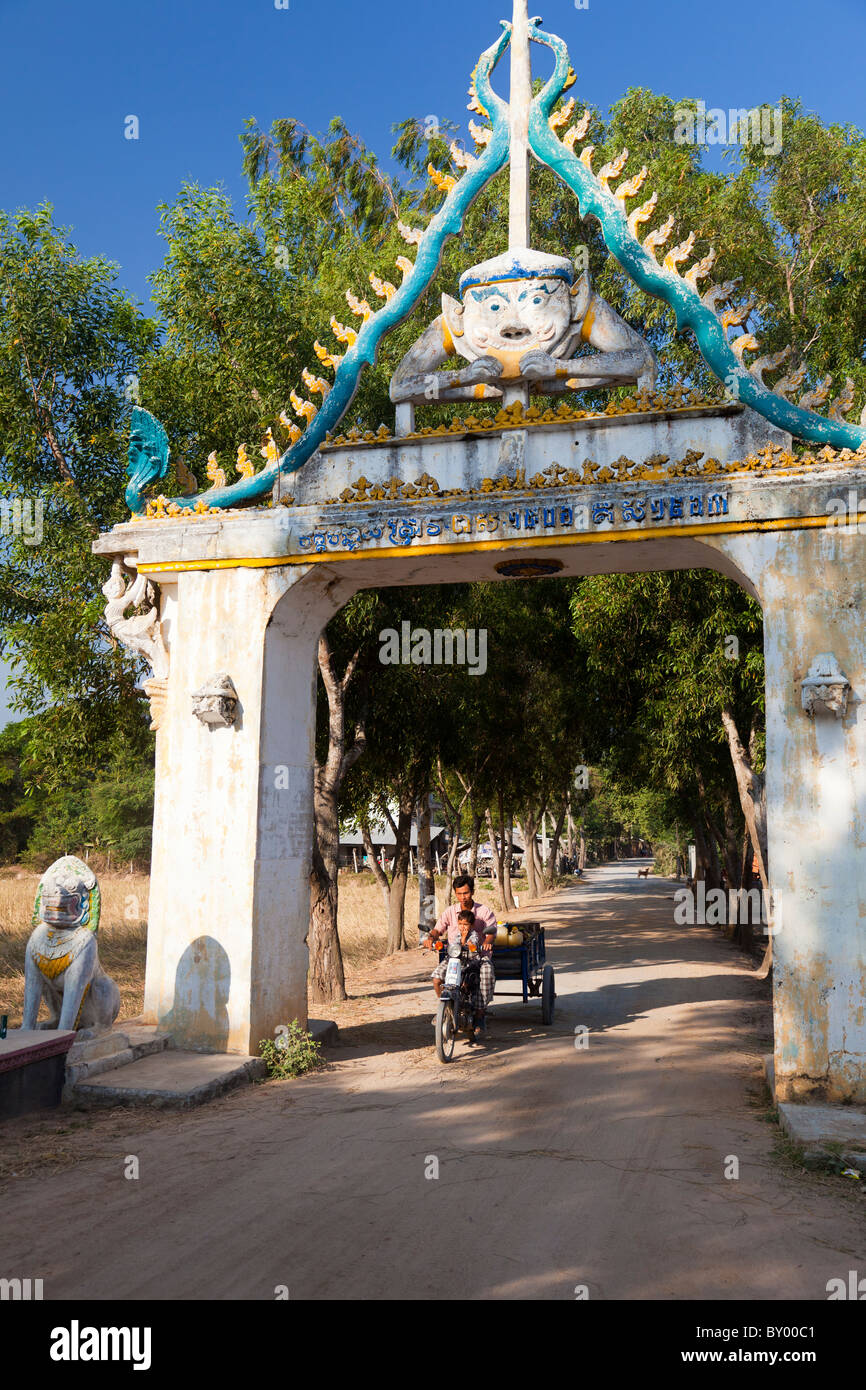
(193, 70)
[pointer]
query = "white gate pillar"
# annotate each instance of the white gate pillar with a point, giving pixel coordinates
(812, 584)
(229, 908)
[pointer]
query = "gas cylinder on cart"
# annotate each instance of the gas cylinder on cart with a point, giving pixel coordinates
(507, 935)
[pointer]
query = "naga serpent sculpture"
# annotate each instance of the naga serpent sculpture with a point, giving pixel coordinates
(620, 232)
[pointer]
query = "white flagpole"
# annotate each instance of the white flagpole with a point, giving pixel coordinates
(521, 100)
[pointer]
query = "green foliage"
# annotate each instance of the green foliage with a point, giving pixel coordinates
(516, 729)
(16, 813)
(665, 860)
(108, 810)
(291, 1053)
(120, 805)
(666, 654)
(656, 650)
(71, 344)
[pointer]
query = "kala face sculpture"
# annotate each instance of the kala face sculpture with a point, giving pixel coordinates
(62, 960)
(523, 317)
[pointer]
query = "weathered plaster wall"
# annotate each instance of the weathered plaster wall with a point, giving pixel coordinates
(812, 585)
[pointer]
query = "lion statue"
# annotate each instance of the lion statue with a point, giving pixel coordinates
(62, 959)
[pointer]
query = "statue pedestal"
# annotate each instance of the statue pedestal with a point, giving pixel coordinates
(32, 1069)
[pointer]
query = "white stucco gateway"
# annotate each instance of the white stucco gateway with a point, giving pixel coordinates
(231, 589)
(246, 593)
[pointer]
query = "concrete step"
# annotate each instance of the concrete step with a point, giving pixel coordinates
(89, 1049)
(170, 1078)
(118, 1048)
(145, 1039)
(827, 1133)
(110, 1062)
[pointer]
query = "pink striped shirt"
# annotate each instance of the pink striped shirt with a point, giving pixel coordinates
(485, 922)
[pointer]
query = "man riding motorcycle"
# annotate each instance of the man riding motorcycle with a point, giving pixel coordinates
(481, 932)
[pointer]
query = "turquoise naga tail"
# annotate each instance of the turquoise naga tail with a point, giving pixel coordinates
(364, 344)
(148, 456)
(149, 451)
(692, 309)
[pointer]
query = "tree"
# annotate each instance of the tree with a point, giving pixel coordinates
(409, 716)
(71, 346)
(344, 658)
(16, 812)
(676, 662)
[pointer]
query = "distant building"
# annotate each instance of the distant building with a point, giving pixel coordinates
(352, 852)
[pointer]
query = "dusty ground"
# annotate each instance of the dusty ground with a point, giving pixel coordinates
(557, 1166)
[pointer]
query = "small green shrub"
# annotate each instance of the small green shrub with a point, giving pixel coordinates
(290, 1053)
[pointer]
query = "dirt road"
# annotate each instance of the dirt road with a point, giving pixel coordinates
(558, 1166)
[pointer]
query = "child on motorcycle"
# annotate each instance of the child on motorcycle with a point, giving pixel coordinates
(474, 923)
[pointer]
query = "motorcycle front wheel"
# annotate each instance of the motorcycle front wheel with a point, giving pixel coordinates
(446, 1033)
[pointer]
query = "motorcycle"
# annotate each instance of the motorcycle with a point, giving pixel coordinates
(456, 1012)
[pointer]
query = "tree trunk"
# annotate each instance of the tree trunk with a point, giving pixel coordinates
(539, 869)
(473, 844)
(581, 857)
(553, 860)
(732, 844)
(753, 799)
(453, 850)
(327, 979)
(426, 879)
(748, 855)
(502, 849)
(497, 849)
(453, 816)
(527, 831)
(399, 877)
(508, 894)
(718, 840)
(707, 861)
(379, 872)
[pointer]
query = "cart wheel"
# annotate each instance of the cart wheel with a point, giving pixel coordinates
(446, 1033)
(548, 995)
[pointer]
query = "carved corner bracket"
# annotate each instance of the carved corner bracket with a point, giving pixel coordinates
(141, 632)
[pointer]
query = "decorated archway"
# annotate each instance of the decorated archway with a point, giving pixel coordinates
(232, 587)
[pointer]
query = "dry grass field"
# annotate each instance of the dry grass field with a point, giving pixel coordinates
(123, 929)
